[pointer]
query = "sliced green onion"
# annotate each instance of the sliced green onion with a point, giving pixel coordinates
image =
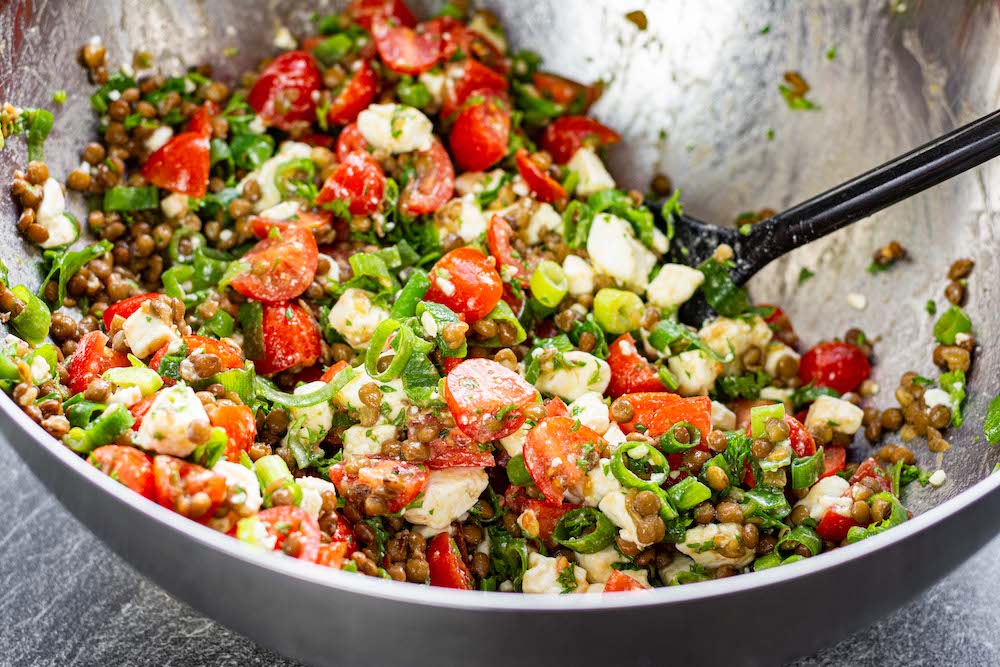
(549, 284)
(221, 324)
(114, 421)
(687, 493)
(404, 344)
(332, 49)
(517, 472)
(174, 279)
(761, 413)
(585, 530)
(66, 264)
(618, 311)
(123, 198)
(372, 265)
(251, 319)
(659, 468)
(803, 535)
(196, 240)
(239, 381)
(668, 379)
(952, 322)
(767, 501)
(283, 175)
(251, 150)
(81, 412)
(413, 291)
(413, 93)
(39, 126)
(806, 470)
(669, 443)
(32, 323)
(146, 379)
(442, 316)
(773, 559)
(667, 332)
(273, 474)
(266, 389)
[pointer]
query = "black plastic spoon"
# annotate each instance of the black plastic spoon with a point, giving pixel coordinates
(937, 161)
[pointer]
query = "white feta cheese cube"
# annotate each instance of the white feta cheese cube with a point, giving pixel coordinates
(174, 205)
(679, 565)
(394, 398)
(614, 436)
(355, 317)
(449, 494)
(513, 444)
(723, 419)
(826, 494)
(937, 478)
(310, 424)
(591, 411)
(673, 286)
(283, 39)
(775, 352)
(164, 429)
(857, 301)
(598, 566)
(544, 220)
(159, 138)
(594, 176)
(695, 372)
(40, 370)
(396, 128)
(127, 396)
(935, 397)
(52, 216)
(471, 221)
(283, 211)
(577, 373)
(600, 483)
(243, 478)
(696, 542)
(579, 275)
(265, 175)
(146, 333)
(543, 573)
(367, 440)
(842, 416)
(434, 83)
(615, 252)
(615, 506)
(313, 489)
(780, 395)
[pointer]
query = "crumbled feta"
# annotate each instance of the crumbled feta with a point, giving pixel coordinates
(449, 494)
(265, 175)
(434, 83)
(127, 396)
(661, 243)
(937, 478)
(257, 125)
(310, 424)
(581, 372)
(723, 418)
(367, 440)
(780, 395)
(579, 275)
(615, 252)
(857, 301)
(394, 399)
(842, 416)
(544, 220)
(598, 566)
(283, 39)
(164, 429)
(679, 565)
(52, 216)
(775, 352)
(513, 444)
(396, 128)
(615, 506)
(40, 370)
(471, 221)
(355, 317)
(543, 573)
(727, 335)
(591, 411)
(283, 211)
(673, 286)
(935, 397)
(159, 138)
(594, 176)
(599, 483)
(241, 477)
(696, 538)
(827, 493)
(614, 436)
(174, 205)
(429, 324)
(313, 489)
(146, 333)
(695, 372)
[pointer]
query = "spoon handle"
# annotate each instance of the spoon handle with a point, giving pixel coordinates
(934, 162)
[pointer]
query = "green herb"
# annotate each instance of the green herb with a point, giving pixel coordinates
(250, 150)
(991, 427)
(567, 579)
(333, 49)
(796, 101)
(620, 204)
(413, 93)
(735, 387)
(64, 264)
(121, 198)
(831, 53)
(766, 29)
(117, 83)
(952, 322)
(953, 382)
(721, 292)
(930, 307)
(803, 396)
(896, 516)
(667, 332)
(745, 230)
(517, 473)
(804, 275)
(509, 555)
(770, 134)
(59, 97)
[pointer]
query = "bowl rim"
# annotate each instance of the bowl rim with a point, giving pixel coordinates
(430, 596)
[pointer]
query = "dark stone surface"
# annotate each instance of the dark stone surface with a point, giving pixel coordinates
(66, 600)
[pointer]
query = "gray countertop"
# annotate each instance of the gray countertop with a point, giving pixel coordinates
(65, 599)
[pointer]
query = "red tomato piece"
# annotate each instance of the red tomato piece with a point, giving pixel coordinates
(799, 438)
(140, 409)
(556, 408)
(481, 131)
(835, 458)
(91, 358)
(621, 583)
(498, 235)
(284, 92)
(177, 481)
(565, 91)
(291, 338)
(126, 307)
(287, 520)
(409, 478)
(449, 363)
(240, 426)
(227, 354)
(332, 371)
(567, 134)
(630, 371)
(332, 554)
(840, 366)
(355, 96)
(350, 140)
(487, 399)
(547, 514)
(514, 300)
(359, 181)
(465, 78)
(363, 12)
(658, 411)
(279, 267)
(870, 468)
(181, 165)
(466, 281)
(558, 439)
(455, 39)
(834, 527)
(433, 183)
(447, 568)
(403, 49)
(201, 120)
(544, 187)
(306, 219)
(457, 450)
(127, 465)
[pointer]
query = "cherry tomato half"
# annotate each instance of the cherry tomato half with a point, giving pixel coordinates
(128, 465)
(870, 469)
(403, 49)
(201, 120)
(181, 165)
(284, 92)
(229, 357)
(126, 307)
(658, 411)
(835, 459)
(552, 452)
(280, 267)
(91, 358)
(466, 281)
(630, 371)
(566, 92)
(350, 141)
(363, 12)
(306, 219)
(487, 399)
(177, 482)
(447, 569)
(240, 425)
(498, 235)
(544, 187)
(291, 338)
(481, 131)
(357, 180)
(406, 480)
(355, 96)
(465, 78)
(286, 520)
(432, 184)
(621, 583)
(567, 134)
(458, 450)
(840, 366)
(834, 527)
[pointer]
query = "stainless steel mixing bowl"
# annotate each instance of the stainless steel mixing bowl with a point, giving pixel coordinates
(695, 96)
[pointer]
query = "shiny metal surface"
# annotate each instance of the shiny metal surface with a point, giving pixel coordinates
(695, 96)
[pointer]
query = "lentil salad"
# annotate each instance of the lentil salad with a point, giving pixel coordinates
(305, 327)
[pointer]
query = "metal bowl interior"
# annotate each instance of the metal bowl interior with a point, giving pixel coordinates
(695, 96)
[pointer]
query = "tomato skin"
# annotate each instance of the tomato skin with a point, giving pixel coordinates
(350, 141)
(544, 187)
(306, 219)
(834, 527)
(565, 91)
(447, 569)
(140, 409)
(174, 479)
(454, 37)
(181, 165)
(128, 465)
(835, 459)
(481, 131)
(658, 411)
(556, 408)
(466, 281)
(363, 12)
(630, 371)
(227, 354)
(126, 307)
(870, 468)
(201, 120)
(410, 477)
(91, 358)
(358, 180)
(355, 96)
(458, 450)
(465, 78)
(403, 49)
(433, 184)
(480, 388)
(450, 363)
(286, 519)
(840, 366)
(283, 94)
(291, 338)
(567, 134)
(558, 438)
(240, 426)
(332, 371)
(621, 583)
(289, 264)
(799, 438)
(498, 235)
